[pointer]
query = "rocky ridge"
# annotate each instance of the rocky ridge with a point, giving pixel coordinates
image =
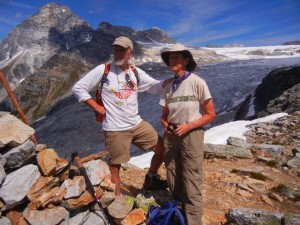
(257, 178)
(278, 92)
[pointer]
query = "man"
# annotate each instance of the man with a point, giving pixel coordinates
(122, 124)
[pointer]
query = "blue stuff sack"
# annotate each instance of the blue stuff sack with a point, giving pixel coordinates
(165, 214)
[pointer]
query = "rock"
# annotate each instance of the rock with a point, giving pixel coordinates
(237, 142)
(97, 170)
(121, 206)
(75, 187)
(107, 198)
(2, 170)
(62, 169)
(79, 218)
(244, 193)
(136, 216)
(47, 160)
(243, 216)
(106, 184)
(13, 132)
(295, 151)
(267, 200)
(20, 155)
(278, 92)
(18, 183)
(295, 163)
(275, 196)
(244, 187)
(95, 218)
(14, 217)
(44, 200)
(53, 216)
(5, 221)
(40, 189)
(83, 200)
(291, 219)
(271, 150)
(227, 151)
(250, 169)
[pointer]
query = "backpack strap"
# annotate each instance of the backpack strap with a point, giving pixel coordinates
(103, 80)
(136, 74)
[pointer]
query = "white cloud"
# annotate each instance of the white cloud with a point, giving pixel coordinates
(19, 4)
(8, 21)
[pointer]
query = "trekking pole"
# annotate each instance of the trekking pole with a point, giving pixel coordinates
(90, 186)
(16, 103)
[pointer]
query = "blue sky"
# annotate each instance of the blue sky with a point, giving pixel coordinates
(191, 22)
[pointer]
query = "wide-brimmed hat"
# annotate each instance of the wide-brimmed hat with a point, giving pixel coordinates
(179, 48)
(123, 41)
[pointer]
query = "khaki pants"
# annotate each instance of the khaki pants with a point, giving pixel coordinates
(183, 160)
(117, 143)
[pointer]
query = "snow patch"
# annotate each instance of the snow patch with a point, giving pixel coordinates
(215, 135)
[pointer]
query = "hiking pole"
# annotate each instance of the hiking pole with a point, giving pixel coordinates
(15, 102)
(90, 185)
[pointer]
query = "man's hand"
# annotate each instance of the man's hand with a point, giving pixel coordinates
(95, 106)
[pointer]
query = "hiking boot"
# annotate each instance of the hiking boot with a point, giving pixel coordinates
(153, 182)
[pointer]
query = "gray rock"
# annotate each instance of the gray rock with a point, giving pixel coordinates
(291, 219)
(95, 218)
(244, 216)
(255, 169)
(53, 216)
(13, 131)
(295, 150)
(294, 163)
(5, 221)
(228, 151)
(17, 184)
(79, 218)
(121, 206)
(20, 155)
(75, 187)
(2, 171)
(272, 150)
(97, 170)
(237, 142)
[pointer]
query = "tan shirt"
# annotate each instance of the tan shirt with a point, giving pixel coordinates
(184, 104)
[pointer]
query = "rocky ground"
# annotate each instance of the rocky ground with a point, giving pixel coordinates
(228, 183)
(261, 173)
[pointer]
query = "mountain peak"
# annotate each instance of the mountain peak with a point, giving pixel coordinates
(53, 15)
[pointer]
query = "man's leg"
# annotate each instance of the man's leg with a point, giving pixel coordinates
(118, 146)
(115, 177)
(145, 137)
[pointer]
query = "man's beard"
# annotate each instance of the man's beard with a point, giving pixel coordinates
(119, 62)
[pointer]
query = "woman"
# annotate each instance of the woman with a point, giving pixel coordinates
(187, 107)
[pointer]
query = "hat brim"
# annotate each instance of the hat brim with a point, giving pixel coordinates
(191, 66)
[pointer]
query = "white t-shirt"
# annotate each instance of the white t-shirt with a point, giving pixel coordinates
(184, 104)
(120, 100)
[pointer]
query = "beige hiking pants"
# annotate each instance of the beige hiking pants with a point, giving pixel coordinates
(183, 160)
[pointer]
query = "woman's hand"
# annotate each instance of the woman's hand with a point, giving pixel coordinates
(182, 129)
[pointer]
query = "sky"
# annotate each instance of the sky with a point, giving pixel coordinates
(191, 22)
(215, 135)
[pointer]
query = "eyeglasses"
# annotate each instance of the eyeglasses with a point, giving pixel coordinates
(129, 81)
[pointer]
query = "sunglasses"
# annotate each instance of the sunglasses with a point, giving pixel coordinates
(129, 81)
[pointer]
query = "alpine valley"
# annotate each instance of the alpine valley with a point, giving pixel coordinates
(44, 56)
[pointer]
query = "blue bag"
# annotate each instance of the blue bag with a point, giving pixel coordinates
(165, 215)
